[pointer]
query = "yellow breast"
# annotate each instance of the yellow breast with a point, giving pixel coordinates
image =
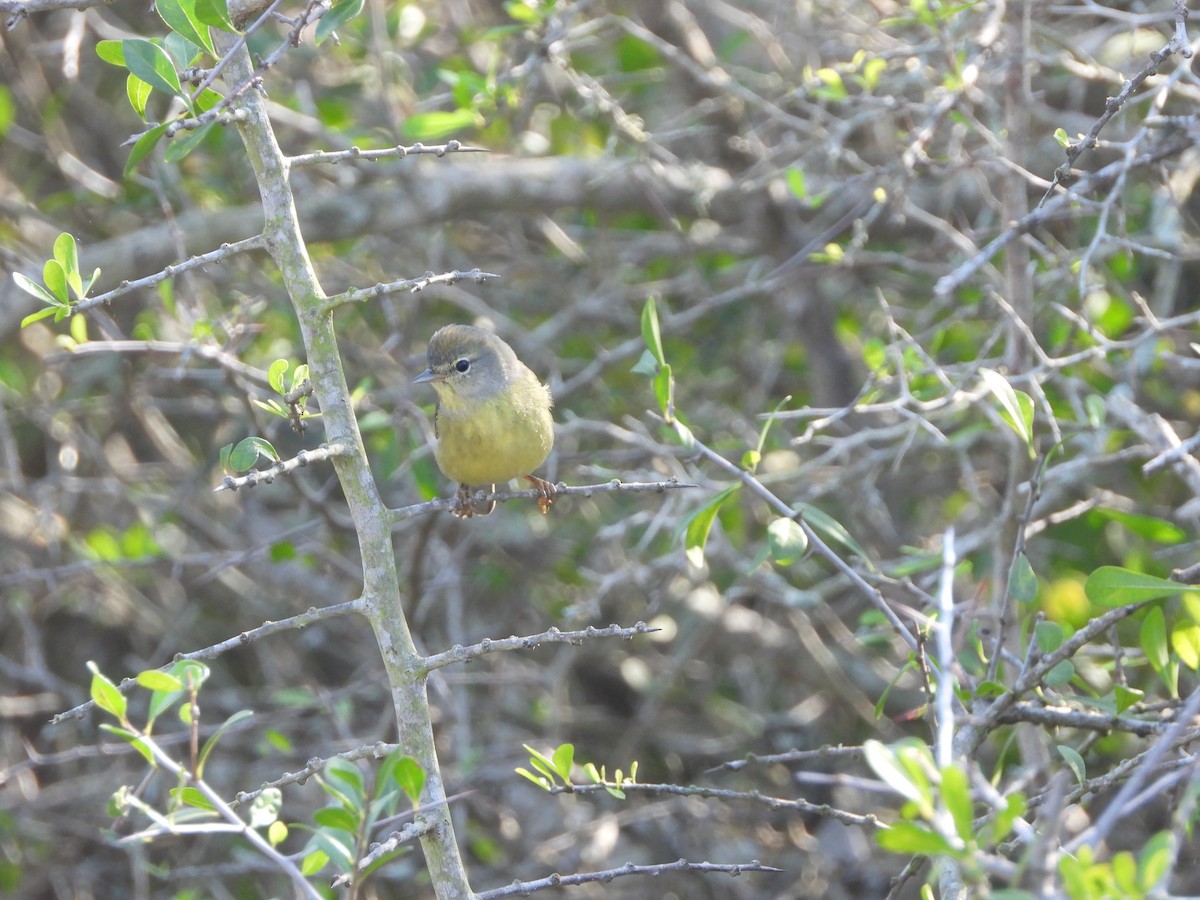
(494, 440)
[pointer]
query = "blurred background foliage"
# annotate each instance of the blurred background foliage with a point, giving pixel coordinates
(789, 180)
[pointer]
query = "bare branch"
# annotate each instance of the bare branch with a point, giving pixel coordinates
(525, 888)
(461, 654)
(304, 619)
(681, 790)
(406, 285)
(333, 157)
(560, 490)
(283, 467)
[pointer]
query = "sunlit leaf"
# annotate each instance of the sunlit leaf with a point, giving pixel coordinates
(1114, 586)
(150, 62)
(1074, 762)
(1016, 407)
(698, 525)
(182, 146)
(1154, 639)
(181, 17)
(433, 126)
(105, 694)
(786, 541)
(651, 333)
(339, 14)
(1022, 582)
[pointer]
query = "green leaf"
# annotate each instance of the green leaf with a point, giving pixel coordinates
(1126, 697)
(1060, 674)
(540, 780)
(277, 833)
(899, 774)
(244, 456)
(786, 541)
(1060, 135)
(432, 126)
(664, 385)
(1049, 636)
(157, 680)
(651, 333)
(795, 182)
(193, 797)
(913, 839)
(341, 13)
(344, 781)
(563, 759)
(697, 526)
(1114, 586)
(135, 740)
(1074, 762)
(1013, 809)
(338, 846)
(143, 146)
(1185, 641)
(180, 16)
(313, 863)
(40, 314)
(180, 147)
(112, 53)
(1124, 869)
(410, 777)
(191, 672)
(1016, 407)
(683, 435)
(160, 702)
(67, 253)
(215, 13)
(1022, 582)
(182, 53)
(337, 817)
(1154, 639)
(138, 93)
(275, 375)
(956, 795)
(207, 748)
(55, 278)
(29, 286)
(207, 99)
(542, 763)
(832, 529)
(150, 62)
(646, 365)
(1155, 860)
(105, 694)
(1151, 528)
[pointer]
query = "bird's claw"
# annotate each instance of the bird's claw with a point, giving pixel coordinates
(546, 492)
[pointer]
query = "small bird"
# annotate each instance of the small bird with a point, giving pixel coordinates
(493, 419)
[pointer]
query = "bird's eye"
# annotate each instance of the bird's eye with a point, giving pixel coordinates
(463, 364)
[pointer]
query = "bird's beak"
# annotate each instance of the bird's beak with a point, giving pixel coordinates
(428, 375)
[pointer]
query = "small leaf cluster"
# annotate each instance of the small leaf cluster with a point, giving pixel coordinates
(1084, 878)
(294, 394)
(155, 64)
(937, 818)
(167, 687)
(341, 830)
(554, 771)
(63, 285)
(786, 540)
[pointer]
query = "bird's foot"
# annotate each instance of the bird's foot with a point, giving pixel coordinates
(465, 505)
(546, 492)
